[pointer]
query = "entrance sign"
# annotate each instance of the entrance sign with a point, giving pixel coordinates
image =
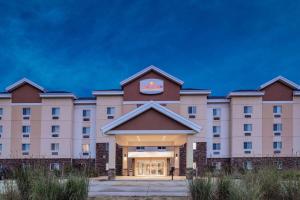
(151, 86)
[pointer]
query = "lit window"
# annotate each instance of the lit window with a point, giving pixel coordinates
(85, 149)
(277, 109)
(55, 112)
(247, 145)
(248, 109)
(194, 146)
(192, 110)
(217, 112)
(247, 127)
(26, 111)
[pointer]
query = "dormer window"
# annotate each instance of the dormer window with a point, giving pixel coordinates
(192, 111)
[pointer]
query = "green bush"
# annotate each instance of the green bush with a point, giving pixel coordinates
(201, 189)
(10, 191)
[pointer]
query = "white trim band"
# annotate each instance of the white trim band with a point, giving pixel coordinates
(250, 93)
(151, 132)
(57, 95)
(195, 92)
(107, 93)
(144, 102)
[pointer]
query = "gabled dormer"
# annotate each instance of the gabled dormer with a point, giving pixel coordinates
(151, 83)
(279, 89)
(25, 91)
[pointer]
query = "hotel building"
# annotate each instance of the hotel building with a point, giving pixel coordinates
(150, 125)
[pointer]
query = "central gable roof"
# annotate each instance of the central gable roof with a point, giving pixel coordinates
(283, 80)
(22, 82)
(147, 107)
(151, 68)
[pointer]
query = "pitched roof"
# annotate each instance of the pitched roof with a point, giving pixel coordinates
(283, 80)
(21, 82)
(156, 69)
(145, 107)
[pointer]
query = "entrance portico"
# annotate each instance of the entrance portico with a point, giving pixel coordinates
(150, 138)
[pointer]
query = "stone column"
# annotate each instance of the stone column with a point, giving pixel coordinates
(112, 158)
(176, 161)
(189, 158)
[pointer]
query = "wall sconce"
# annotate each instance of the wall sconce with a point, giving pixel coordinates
(125, 155)
(176, 155)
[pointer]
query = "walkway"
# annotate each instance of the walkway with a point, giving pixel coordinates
(138, 188)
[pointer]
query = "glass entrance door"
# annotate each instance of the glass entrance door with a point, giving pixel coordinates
(150, 167)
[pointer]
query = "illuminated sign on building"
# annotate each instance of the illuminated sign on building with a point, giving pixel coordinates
(151, 86)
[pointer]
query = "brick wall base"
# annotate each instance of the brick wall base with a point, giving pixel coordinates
(182, 160)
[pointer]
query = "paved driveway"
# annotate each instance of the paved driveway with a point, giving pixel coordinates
(138, 188)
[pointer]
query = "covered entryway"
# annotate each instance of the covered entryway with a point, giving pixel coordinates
(150, 138)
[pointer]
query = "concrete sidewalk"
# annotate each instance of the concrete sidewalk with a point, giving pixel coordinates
(138, 188)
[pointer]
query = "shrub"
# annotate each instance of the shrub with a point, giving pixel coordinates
(76, 188)
(23, 177)
(10, 191)
(223, 188)
(291, 188)
(270, 183)
(201, 189)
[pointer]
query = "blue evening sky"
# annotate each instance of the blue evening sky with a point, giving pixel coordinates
(80, 46)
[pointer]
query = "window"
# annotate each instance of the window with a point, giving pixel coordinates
(192, 111)
(55, 148)
(55, 113)
(86, 114)
(110, 111)
(25, 149)
(277, 127)
(216, 146)
(55, 130)
(216, 131)
(85, 149)
(1, 111)
(86, 132)
(54, 166)
(216, 113)
(26, 130)
(0, 148)
(248, 111)
(26, 111)
(161, 148)
(277, 145)
(1, 130)
(247, 127)
(248, 165)
(247, 147)
(140, 148)
(277, 110)
(194, 146)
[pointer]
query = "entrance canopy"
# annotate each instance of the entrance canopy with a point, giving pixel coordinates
(151, 119)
